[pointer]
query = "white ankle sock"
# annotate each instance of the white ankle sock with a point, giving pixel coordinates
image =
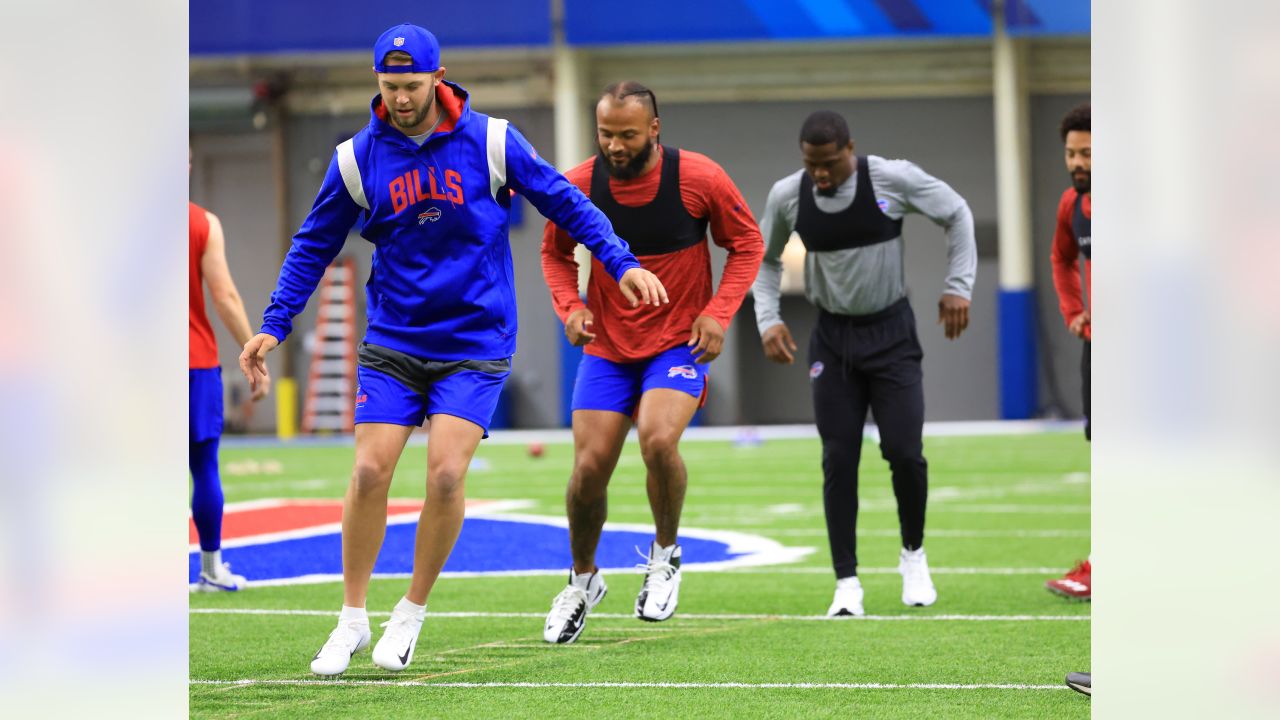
(409, 606)
(211, 562)
(350, 614)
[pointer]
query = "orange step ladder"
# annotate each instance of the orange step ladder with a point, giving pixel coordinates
(331, 381)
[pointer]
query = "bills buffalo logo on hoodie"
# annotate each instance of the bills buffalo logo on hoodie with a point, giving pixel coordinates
(432, 214)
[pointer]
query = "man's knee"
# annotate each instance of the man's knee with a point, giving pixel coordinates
(371, 477)
(901, 451)
(660, 448)
(590, 480)
(445, 479)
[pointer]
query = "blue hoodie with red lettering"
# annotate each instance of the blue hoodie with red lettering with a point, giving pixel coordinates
(441, 286)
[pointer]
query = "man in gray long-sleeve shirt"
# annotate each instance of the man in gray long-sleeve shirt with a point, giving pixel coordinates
(864, 351)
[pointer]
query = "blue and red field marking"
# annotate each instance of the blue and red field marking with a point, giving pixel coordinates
(280, 542)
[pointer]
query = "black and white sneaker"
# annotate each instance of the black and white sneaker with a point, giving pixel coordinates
(661, 590)
(1081, 683)
(569, 610)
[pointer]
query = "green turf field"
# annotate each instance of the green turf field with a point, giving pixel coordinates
(1005, 514)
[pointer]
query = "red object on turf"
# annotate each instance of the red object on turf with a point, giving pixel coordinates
(536, 449)
(1076, 584)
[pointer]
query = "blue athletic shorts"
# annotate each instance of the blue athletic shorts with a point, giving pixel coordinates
(399, 389)
(205, 404)
(606, 385)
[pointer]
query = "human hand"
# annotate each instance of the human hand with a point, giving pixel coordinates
(641, 286)
(1080, 325)
(706, 338)
(253, 362)
(778, 345)
(953, 314)
(577, 327)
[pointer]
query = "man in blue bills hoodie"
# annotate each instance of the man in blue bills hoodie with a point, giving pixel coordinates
(428, 181)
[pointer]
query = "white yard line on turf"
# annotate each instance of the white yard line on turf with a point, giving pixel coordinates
(643, 685)
(685, 616)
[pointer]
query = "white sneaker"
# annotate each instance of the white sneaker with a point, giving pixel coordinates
(221, 581)
(848, 599)
(347, 639)
(917, 586)
(661, 590)
(394, 650)
(569, 610)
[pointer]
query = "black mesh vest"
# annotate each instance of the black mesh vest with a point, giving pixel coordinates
(859, 225)
(1080, 225)
(663, 225)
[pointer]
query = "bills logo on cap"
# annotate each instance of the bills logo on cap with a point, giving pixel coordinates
(398, 42)
(432, 214)
(815, 370)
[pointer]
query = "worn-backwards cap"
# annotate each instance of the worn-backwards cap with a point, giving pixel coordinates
(417, 41)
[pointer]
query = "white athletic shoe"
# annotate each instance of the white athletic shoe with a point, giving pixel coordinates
(569, 609)
(917, 586)
(848, 598)
(221, 581)
(661, 590)
(346, 640)
(394, 650)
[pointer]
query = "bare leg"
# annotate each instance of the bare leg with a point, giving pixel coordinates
(364, 509)
(450, 448)
(598, 436)
(663, 416)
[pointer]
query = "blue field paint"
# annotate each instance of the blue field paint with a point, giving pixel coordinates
(485, 545)
(1018, 376)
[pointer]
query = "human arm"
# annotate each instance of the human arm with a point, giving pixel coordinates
(1065, 259)
(561, 202)
(937, 201)
(226, 299)
(734, 229)
(561, 273)
(776, 225)
(314, 247)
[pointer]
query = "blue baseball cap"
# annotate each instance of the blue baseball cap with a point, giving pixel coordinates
(417, 41)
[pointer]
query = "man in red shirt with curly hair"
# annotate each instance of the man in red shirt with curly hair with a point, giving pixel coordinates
(1071, 239)
(641, 365)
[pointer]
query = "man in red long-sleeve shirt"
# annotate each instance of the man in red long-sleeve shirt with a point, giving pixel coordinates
(1071, 238)
(643, 365)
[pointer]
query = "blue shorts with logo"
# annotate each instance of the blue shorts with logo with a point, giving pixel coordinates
(400, 389)
(606, 385)
(204, 409)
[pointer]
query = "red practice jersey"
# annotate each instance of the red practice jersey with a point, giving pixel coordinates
(1066, 262)
(627, 334)
(201, 343)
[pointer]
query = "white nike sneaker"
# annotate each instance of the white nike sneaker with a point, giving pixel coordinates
(221, 581)
(661, 590)
(346, 640)
(848, 598)
(917, 586)
(394, 650)
(569, 610)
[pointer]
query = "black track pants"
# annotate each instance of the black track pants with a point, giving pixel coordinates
(856, 363)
